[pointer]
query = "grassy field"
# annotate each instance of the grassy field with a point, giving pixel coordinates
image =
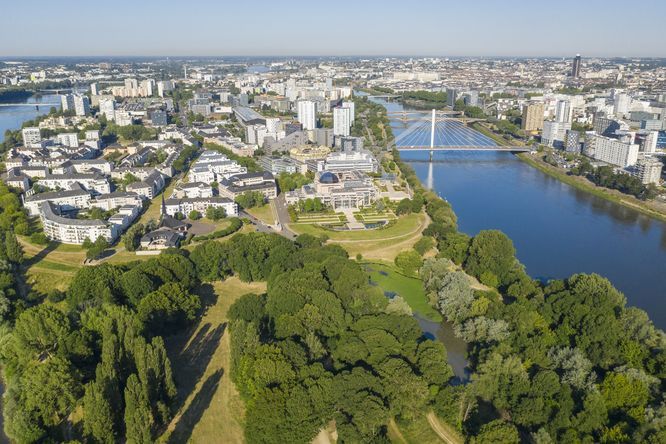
(403, 227)
(211, 409)
(410, 289)
(413, 432)
(52, 266)
(384, 244)
(264, 213)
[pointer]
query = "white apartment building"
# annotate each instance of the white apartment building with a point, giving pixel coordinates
(352, 108)
(213, 166)
(622, 102)
(116, 199)
(307, 114)
(108, 108)
(341, 121)
(563, 111)
(73, 231)
(68, 139)
(31, 137)
(67, 102)
(81, 105)
(76, 198)
(554, 132)
(201, 204)
(648, 170)
(611, 151)
(90, 182)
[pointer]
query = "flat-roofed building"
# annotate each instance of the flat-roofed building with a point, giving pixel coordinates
(184, 206)
(532, 116)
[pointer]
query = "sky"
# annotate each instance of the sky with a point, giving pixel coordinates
(604, 28)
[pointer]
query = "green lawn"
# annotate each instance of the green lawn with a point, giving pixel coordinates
(410, 289)
(264, 213)
(403, 226)
(210, 409)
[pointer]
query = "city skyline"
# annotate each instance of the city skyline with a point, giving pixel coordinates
(512, 29)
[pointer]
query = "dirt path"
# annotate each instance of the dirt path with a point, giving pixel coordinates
(442, 431)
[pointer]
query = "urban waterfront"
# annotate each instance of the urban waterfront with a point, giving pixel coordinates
(11, 117)
(557, 230)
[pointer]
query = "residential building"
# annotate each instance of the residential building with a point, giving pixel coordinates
(572, 142)
(185, 205)
(68, 139)
(341, 121)
(451, 97)
(554, 133)
(150, 186)
(532, 116)
(67, 102)
(611, 151)
(31, 137)
(650, 142)
(73, 231)
(81, 105)
(648, 170)
(605, 126)
(72, 199)
(107, 108)
(94, 182)
(307, 114)
(192, 190)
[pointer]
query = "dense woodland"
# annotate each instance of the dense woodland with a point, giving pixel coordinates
(562, 361)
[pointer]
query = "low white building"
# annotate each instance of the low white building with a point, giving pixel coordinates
(186, 205)
(192, 190)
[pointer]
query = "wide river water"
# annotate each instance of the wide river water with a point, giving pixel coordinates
(12, 116)
(557, 230)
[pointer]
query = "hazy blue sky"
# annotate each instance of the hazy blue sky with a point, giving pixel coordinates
(338, 27)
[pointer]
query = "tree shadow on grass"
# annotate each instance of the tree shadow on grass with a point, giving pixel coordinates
(191, 417)
(41, 255)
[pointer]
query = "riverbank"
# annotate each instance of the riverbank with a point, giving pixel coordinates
(583, 184)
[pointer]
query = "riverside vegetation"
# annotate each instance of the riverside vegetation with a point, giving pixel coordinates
(563, 361)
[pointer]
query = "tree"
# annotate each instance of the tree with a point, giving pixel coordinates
(215, 213)
(404, 207)
(50, 389)
(96, 248)
(423, 245)
(194, 215)
(250, 199)
(98, 417)
(138, 417)
(168, 307)
(497, 431)
(491, 251)
(409, 261)
(13, 248)
(133, 236)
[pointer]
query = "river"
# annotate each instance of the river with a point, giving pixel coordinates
(11, 117)
(557, 230)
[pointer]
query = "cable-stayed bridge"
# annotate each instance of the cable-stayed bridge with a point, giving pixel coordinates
(447, 134)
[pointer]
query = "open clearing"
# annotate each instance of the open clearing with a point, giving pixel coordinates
(210, 408)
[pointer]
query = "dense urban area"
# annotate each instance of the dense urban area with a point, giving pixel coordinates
(234, 250)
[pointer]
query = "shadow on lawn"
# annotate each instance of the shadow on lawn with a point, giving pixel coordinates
(196, 409)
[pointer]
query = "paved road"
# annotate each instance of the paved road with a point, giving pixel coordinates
(264, 228)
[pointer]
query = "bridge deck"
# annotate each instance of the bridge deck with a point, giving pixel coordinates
(466, 148)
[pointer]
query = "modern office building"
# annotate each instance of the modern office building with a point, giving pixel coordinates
(611, 151)
(263, 182)
(341, 190)
(341, 121)
(532, 116)
(307, 114)
(575, 68)
(362, 161)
